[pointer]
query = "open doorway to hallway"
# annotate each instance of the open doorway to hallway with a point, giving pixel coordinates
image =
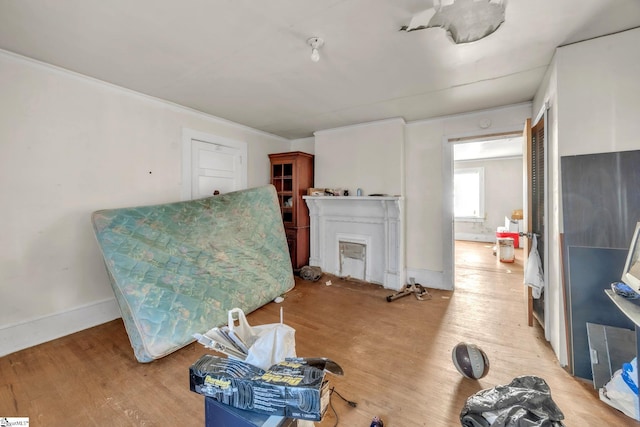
(488, 183)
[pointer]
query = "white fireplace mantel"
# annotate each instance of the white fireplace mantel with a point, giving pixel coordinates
(377, 220)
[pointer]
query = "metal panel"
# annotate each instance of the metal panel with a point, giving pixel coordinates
(609, 348)
(591, 270)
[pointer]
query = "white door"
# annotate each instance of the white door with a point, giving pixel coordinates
(211, 163)
(214, 168)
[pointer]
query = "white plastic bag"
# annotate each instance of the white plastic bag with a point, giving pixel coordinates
(533, 273)
(621, 392)
(267, 344)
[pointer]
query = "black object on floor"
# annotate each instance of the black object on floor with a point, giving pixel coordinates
(525, 401)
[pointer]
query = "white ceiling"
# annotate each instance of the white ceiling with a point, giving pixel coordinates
(490, 149)
(247, 60)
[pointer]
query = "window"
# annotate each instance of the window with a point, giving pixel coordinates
(468, 194)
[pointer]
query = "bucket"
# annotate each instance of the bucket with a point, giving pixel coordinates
(506, 252)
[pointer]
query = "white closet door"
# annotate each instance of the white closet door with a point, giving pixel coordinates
(214, 167)
(210, 163)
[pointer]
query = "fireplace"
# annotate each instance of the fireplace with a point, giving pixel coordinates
(354, 261)
(359, 237)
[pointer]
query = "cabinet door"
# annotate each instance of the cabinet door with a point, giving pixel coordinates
(282, 178)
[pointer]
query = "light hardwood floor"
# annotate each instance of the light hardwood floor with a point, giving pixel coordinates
(396, 357)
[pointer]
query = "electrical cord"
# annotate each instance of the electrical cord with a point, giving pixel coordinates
(349, 402)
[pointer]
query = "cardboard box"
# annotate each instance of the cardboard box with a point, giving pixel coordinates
(512, 225)
(315, 191)
(295, 388)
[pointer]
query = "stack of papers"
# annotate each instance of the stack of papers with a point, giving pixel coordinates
(225, 341)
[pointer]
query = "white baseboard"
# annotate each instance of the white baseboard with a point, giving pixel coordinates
(37, 331)
(428, 278)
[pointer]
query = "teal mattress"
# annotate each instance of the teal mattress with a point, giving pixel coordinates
(177, 268)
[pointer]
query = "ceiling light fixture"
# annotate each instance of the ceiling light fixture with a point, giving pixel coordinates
(316, 43)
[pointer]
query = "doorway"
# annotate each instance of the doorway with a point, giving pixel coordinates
(488, 185)
(211, 165)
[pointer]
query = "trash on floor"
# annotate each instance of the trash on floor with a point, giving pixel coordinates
(524, 401)
(311, 273)
(622, 391)
(412, 288)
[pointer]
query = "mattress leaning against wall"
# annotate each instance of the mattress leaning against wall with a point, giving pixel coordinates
(177, 268)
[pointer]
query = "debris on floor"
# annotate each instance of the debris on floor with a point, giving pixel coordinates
(412, 288)
(524, 401)
(311, 273)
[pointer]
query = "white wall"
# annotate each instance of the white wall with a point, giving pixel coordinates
(593, 92)
(70, 145)
(599, 95)
(306, 145)
(367, 156)
(503, 179)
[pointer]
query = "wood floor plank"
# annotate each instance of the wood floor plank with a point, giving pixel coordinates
(396, 357)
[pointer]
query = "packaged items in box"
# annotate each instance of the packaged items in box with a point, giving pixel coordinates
(294, 388)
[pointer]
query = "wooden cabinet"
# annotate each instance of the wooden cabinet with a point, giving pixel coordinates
(292, 175)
